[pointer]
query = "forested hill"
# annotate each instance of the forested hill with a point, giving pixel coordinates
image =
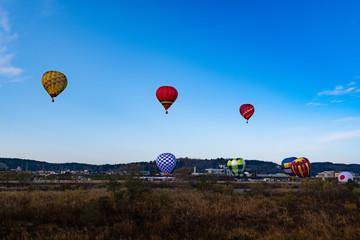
(33, 165)
(337, 167)
(251, 165)
(201, 164)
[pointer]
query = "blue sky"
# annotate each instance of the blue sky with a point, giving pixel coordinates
(297, 62)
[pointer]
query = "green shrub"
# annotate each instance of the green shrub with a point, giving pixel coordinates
(351, 185)
(113, 185)
(136, 188)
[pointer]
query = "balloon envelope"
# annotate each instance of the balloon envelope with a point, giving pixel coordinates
(166, 96)
(345, 177)
(236, 166)
(286, 166)
(54, 83)
(301, 167)
(247, 110)
(166, 163)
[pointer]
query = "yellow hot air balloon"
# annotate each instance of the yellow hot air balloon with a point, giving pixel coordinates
(54, 83)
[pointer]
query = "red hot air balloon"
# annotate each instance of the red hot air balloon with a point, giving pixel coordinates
(167, 96)
(247, 110)
(301, 167)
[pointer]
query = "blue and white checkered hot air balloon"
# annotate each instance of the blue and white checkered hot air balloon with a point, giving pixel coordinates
(166, 163)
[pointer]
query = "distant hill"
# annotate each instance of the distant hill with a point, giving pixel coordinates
(252, 166)
(337, 167)
(33, 165)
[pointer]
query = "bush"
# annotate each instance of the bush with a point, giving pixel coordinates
(113, 185)
(351, 185)
(136, 188)
(207, 183)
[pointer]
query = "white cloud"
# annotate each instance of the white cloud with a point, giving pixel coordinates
(337, 101)
(348, 119)
(6, 38)
(4, 20)
(316, 104)
(339, 90)
(352, 83)
(17, 79)
(341, 136)
(6, 68)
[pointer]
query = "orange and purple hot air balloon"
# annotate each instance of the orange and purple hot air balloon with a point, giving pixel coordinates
(247, 110)
(166, 96)
(301, 167)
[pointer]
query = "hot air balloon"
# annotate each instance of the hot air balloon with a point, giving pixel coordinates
(345, 177)
(166, 163)
(286, 166)
(301, 167)
(247, 110)
(54, 83)
(167, 96)
(236, 166)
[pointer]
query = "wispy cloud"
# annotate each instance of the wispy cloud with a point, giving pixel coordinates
(316, 104)
(339, 90)
(4, 20)
(337, 101)
(348, 119)
(17, 79)
(341, 136)
(6, 38)
(49, 7)
(339, 94)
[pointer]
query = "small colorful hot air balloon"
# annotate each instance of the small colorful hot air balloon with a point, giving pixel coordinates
(236, 166)
(54, 83)
(167, 96)
(166, 163)
(301, 167)
(286, 166)
(345, 177)
(247, 110)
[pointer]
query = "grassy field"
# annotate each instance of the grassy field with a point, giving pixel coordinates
(197, 209)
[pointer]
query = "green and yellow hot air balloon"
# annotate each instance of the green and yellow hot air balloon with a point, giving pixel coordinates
(236, 166)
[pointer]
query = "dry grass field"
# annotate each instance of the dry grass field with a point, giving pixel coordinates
(200, 209)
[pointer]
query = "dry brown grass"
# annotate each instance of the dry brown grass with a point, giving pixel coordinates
(319, 210)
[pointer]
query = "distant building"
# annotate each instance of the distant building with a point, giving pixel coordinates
(89, 171)
(246, 174)
(217, 171)
(332, 174)
(144, 172)
(279, 175)
(195, 173)
(327, 174)
(273, 175)
(18, 169)
(65, 171)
